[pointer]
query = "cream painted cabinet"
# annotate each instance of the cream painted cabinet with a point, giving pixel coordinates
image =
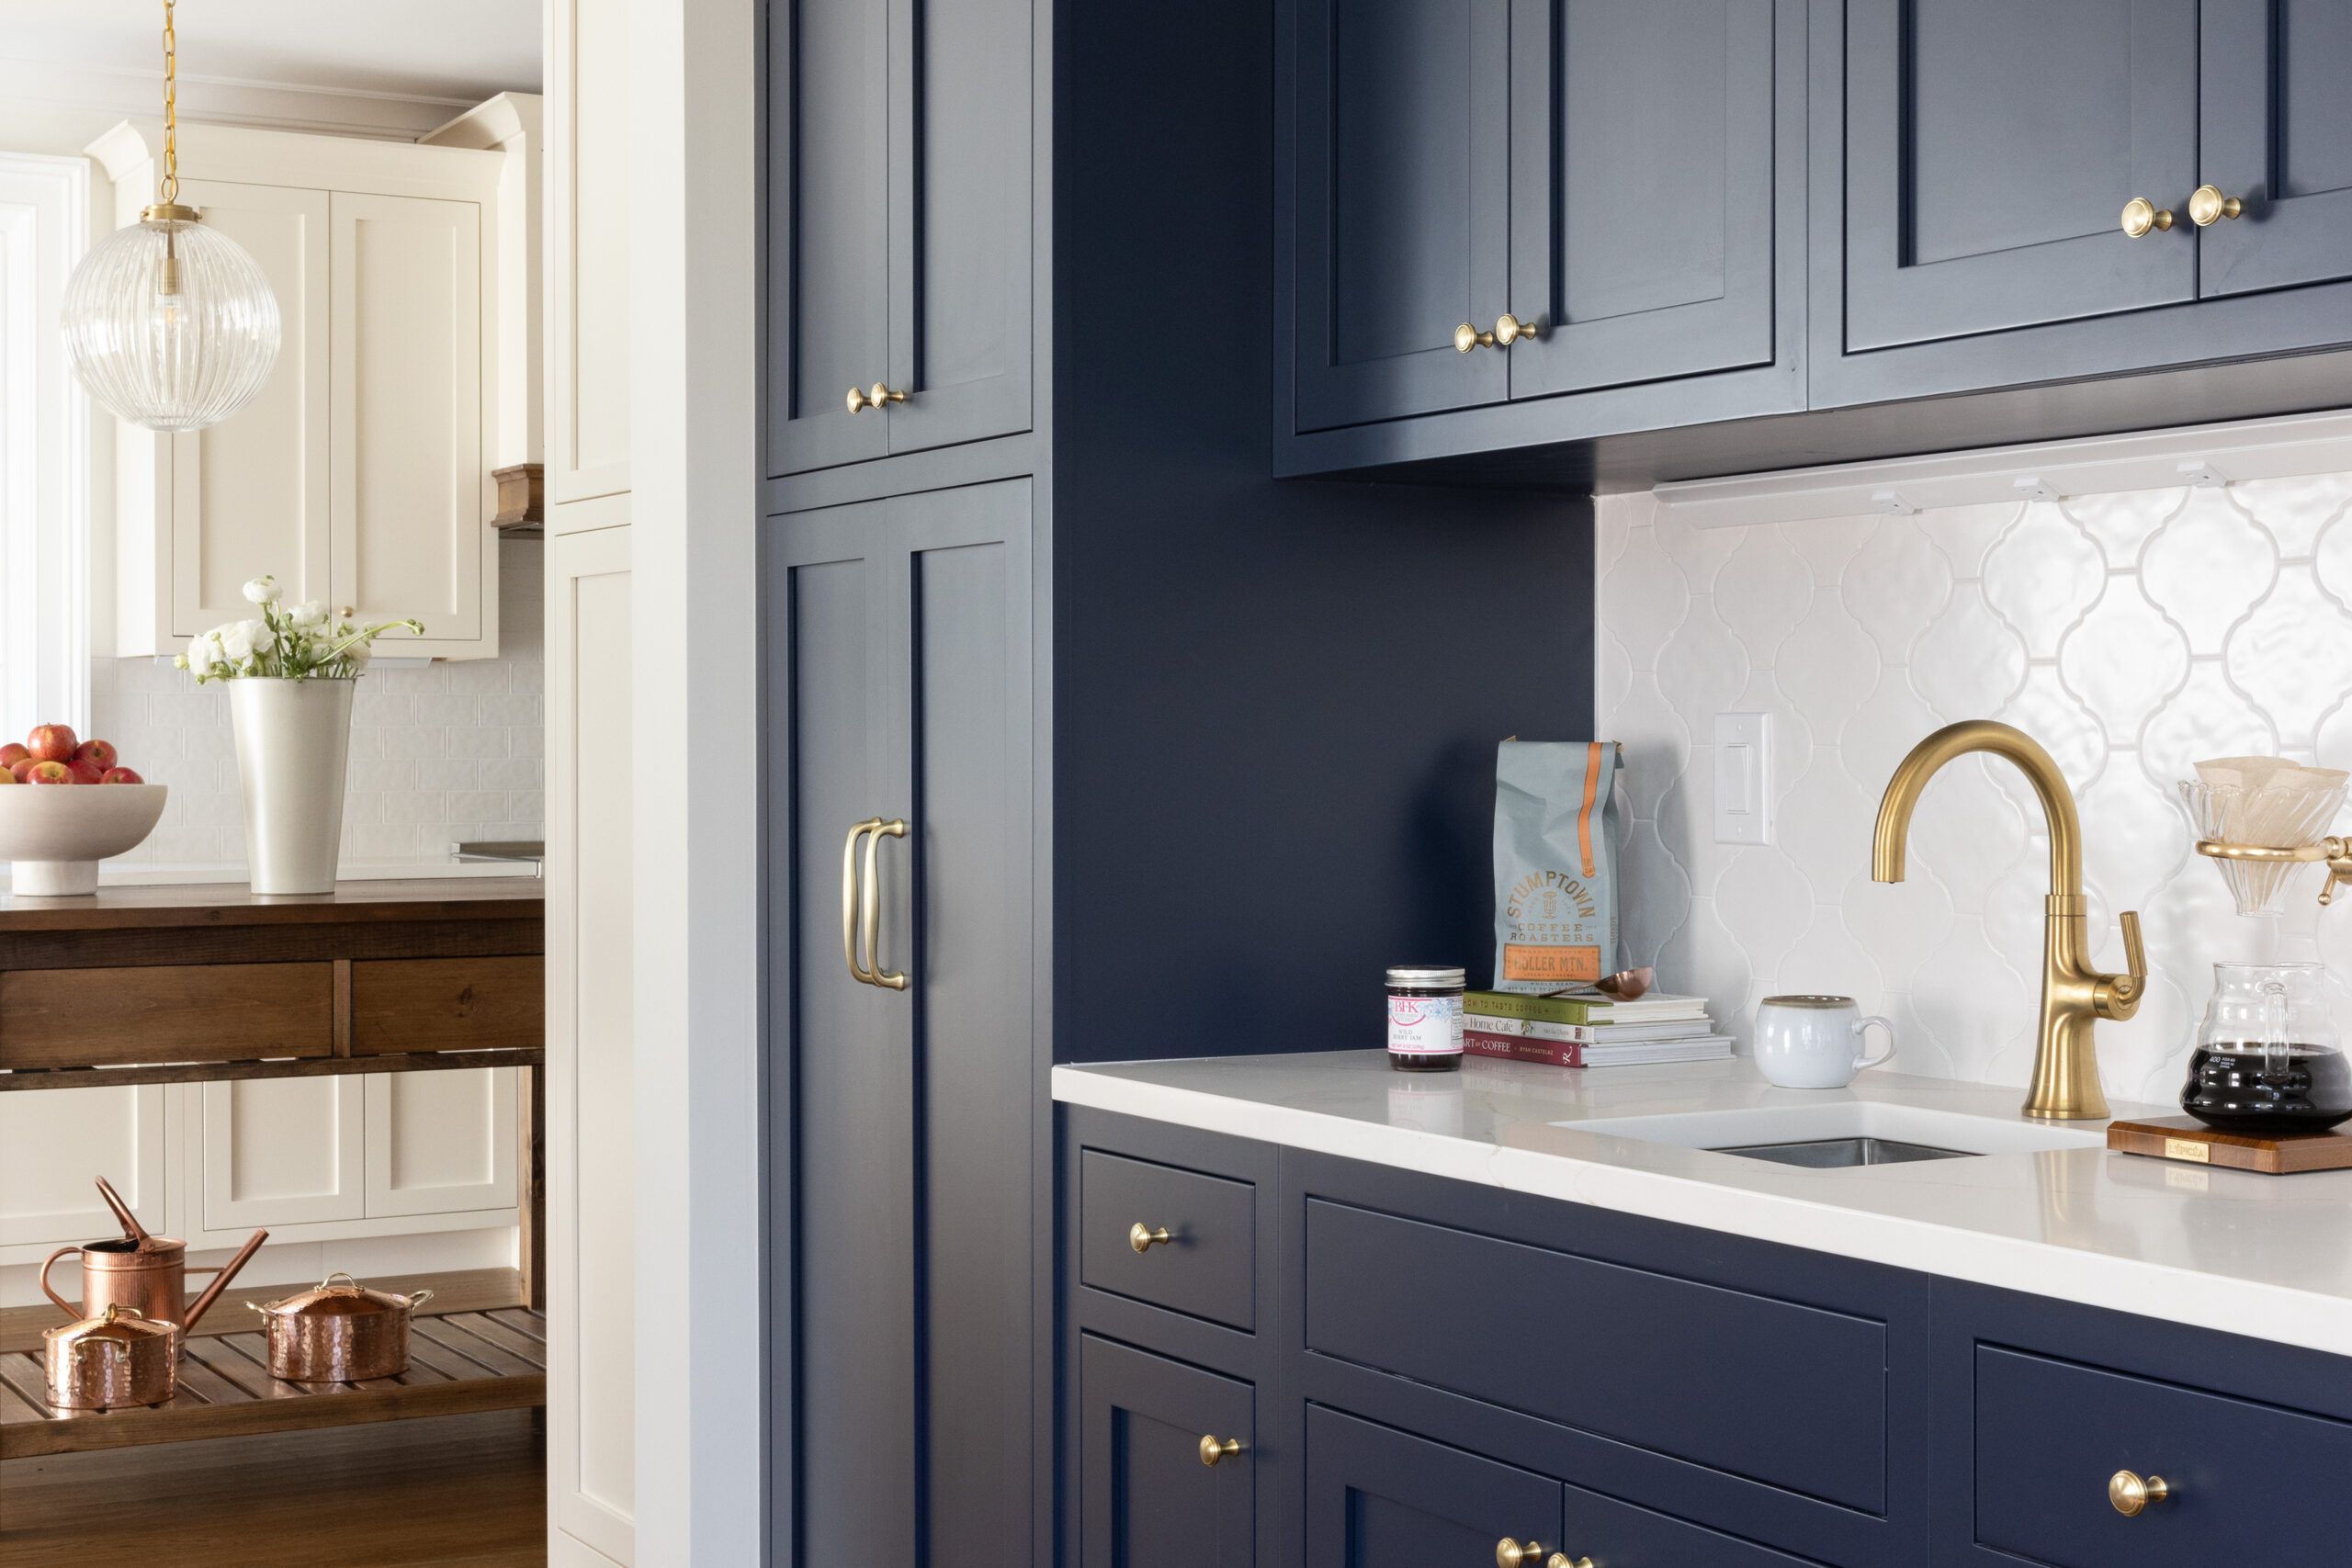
(590, 144)
(361, 475)
(47, 1200)
(280, 1152)
(440, 1143)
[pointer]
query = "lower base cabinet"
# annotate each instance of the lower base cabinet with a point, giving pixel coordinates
(1375, 1427)
(1167, 1458)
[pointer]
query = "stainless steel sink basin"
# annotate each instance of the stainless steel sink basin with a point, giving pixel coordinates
(1836, 1154)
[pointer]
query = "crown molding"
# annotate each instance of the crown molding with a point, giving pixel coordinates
(228, 100)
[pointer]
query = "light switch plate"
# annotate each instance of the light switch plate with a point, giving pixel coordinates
(1743, 766)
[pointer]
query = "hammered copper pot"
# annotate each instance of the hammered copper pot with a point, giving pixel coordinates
(111, 1361)
(339, 1333)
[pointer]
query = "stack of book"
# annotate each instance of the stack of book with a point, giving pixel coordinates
(1590, 1032)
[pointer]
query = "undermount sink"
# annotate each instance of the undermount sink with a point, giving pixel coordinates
(1844, 1133)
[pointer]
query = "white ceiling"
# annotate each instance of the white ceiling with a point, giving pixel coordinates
(459, 50)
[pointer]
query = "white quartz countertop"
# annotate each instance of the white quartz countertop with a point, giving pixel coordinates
(2264, 1256)
(171, 873)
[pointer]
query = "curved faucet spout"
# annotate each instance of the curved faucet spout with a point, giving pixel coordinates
(1928, 759)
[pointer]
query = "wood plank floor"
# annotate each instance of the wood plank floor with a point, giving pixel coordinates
(461, 1492)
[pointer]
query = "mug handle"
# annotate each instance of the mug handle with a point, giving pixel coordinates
(1862, 1058)
(46, 1264)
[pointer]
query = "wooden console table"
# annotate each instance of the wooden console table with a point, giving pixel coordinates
(195, 985)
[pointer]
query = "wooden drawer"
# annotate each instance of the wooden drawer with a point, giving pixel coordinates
(182, 1012)
(2249, 1483)
(1693, 1370)
(1206, 1268)
(447, 1004)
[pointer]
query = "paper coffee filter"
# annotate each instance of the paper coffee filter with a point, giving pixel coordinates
(2271, 802)
(2268, 772)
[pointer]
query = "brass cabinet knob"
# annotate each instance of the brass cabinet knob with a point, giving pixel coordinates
(1510, 1553)
(1213, 1449)
(1562, 1559)
(2131, 1494)
(2207, 204)
(857, 401)
(1467, 337)
(1509, 328)
(2140, 215)
(1143, 1238)
(878, 394)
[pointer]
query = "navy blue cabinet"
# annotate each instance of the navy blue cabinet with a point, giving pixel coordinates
(1444, 1374)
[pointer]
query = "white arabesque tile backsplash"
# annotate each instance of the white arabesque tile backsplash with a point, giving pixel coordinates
(446, 751)
(2132, 634)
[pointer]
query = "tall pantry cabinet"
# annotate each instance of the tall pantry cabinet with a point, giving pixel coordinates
(592, 1363)
(1083, 737)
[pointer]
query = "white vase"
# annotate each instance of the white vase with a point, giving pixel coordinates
(293, 740)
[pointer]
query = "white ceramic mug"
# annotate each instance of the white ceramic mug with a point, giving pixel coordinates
(1815, 1042)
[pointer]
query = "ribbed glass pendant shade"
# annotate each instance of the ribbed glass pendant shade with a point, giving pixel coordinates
(171, 324)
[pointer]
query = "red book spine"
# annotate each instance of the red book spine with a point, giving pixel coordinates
(1522, 1048)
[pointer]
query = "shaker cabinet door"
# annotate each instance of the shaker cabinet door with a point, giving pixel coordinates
(1146, 1500)
(2276, 106)
(1642, 183)
(829, 118)
(1991, 146)
(1378, 1498)
(1401, 210)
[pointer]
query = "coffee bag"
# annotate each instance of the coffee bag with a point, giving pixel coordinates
(1555, 863)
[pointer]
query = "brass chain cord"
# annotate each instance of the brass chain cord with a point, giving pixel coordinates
(171, 191)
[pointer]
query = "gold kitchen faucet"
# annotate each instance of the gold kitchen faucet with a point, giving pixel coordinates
(2074, 995)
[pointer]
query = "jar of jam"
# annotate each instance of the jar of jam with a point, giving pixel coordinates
(1425, 1018)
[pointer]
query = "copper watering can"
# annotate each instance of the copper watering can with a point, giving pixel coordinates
(144, 1273)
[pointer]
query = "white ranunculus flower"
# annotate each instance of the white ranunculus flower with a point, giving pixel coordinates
(358, 655)
(262, 590)
(236, 640)
(203, 653)
(309, 615)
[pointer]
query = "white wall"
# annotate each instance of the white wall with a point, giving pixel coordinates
(2130, 634)
(440, 753)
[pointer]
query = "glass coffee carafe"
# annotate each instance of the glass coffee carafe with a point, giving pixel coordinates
(2267, 1058)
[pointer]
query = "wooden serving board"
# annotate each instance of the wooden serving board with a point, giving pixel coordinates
(2186, 1139)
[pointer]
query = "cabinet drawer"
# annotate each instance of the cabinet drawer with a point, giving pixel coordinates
(1208, 1266)
(447, 1004)
(1612, 1532)
(2249, 1483)
(182, 1012)
(1145, 1495)
(1679, 1366)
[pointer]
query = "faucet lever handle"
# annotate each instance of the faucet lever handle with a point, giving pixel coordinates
(2117, 996)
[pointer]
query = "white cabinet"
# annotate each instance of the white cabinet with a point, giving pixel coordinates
(590, 145)
(47, 1202)
(361, 475)
(440, 1143)
(280, 1152)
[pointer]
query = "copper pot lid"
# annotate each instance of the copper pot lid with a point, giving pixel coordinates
(349, 1299)
(128, 1325)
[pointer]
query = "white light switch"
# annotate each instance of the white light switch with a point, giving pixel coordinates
(1743, 764)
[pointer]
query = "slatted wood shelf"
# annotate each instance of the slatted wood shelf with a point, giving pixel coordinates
(461, 1363)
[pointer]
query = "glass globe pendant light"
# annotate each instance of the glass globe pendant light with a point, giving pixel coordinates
(170, 324)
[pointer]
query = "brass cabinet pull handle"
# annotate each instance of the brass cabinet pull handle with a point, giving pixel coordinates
(1467, 337)
(1212, 1451)
(2207, 204)
(850, 898)
(858, 401)
(870, 906)
(1510, 1553)
(878, 394)
(2131, 1494)
(1143, 1238)
(2140, 215)
(1509, 328)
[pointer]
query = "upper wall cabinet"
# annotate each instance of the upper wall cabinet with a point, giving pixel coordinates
(2036, 192)
(1494, 201)
(899, 226)
(360, 476)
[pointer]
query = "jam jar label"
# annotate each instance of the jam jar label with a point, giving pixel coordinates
(1425, 1026)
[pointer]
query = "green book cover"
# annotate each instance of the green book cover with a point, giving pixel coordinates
(1543, 1009)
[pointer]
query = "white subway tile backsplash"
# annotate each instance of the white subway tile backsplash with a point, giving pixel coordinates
(418, 737)
(2132, 634)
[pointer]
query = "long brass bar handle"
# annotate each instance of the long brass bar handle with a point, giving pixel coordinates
(870, 906)
(849, 898)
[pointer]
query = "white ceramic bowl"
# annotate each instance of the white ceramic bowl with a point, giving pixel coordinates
(56, 834)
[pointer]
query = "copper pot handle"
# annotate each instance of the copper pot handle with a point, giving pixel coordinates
(68, 1308)
(419, 1299)
(222, 1275)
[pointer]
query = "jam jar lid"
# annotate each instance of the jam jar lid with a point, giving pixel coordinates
(1427, 976)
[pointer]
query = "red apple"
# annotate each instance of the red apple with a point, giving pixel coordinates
(121, 775)
(101, 753)
(51, 743)
(22, 768)
(85, 773)
(11, 754)
(8, 776)
(47, 773)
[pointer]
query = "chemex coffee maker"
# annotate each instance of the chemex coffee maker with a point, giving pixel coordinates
(2268, 1062)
